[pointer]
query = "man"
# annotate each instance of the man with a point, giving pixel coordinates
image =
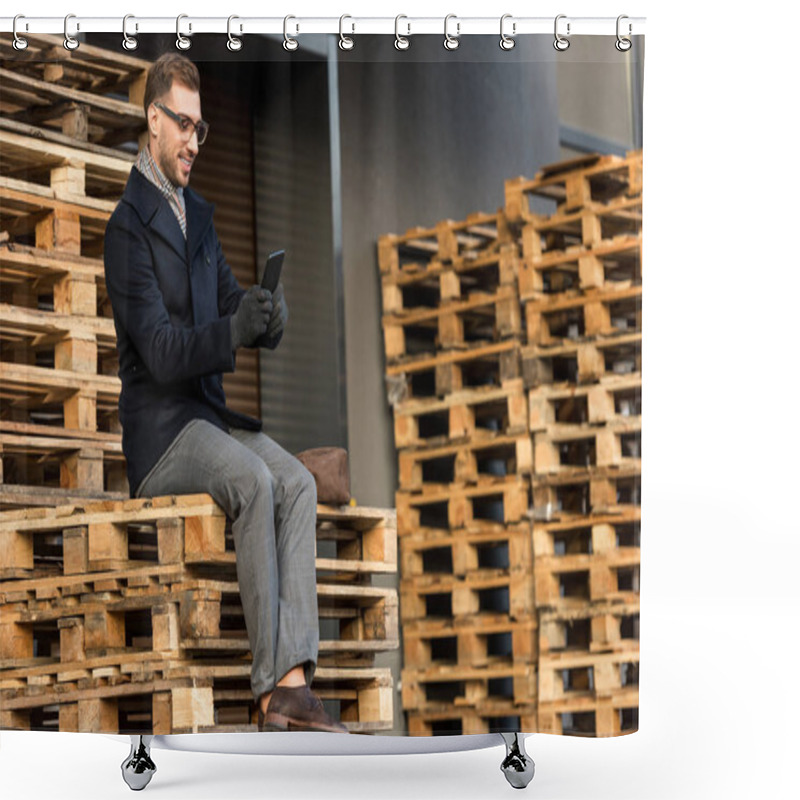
(180, 315)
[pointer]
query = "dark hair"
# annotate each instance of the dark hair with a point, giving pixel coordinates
(166, 69)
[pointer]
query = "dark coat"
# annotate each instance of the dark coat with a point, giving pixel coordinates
(172, 300)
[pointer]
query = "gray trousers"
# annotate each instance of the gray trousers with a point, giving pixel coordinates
(272, 499)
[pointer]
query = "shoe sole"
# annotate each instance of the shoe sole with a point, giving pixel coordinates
(279, 722)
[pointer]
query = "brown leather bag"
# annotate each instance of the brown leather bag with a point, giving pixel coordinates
(331, 471)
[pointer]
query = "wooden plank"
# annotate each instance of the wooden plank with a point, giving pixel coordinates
(127, 112)
(33, 197)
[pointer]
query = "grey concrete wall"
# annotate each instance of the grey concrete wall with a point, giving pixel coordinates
(426, 135)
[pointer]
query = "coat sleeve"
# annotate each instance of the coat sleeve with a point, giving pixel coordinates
(169, 352)
(229, 295)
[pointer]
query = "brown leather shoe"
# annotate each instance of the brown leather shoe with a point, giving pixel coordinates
(296, 708)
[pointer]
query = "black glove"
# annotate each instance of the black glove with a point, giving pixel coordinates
(280, 313)
(252, 317)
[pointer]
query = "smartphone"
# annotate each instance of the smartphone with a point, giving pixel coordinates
(272, 272)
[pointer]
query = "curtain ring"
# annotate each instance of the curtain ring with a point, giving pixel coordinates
(129, 42)
(182, 43)
(560, 42)
(345, 42)
(288, 42)
(234, 44)
(623, 43)
(401, 42)
(506, 42)
(19, 43)
(451, 42)
(70, 43)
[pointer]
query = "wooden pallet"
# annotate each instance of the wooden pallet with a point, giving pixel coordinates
(575, 183)
(492, 504)
(615, 398)
(612, 265)
(573, 493)
(596, 628)
(75, 399)
(166, 610)
(470, 462)
(586, 716)
(497, 591)
(548, 236)
(487, 717)
(175, 529)
(470, 413)
(558, 319)
(75, 92)
(439, 282)
(569, 674)
(456, 324)
(448, 240)
(582, 361)
(460, 552)
(585, 561)
(439, 688)
(442, 374)
(560, 446)
(195, 698)
(59, 461)
(475, 641)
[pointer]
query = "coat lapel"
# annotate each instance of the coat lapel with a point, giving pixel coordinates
(155, 212)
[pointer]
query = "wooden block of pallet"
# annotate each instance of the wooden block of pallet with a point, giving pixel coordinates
(438, 688)
(574, 362)
(493, 716)
(615, 398)
(460, 552)
(612, 264)
(491, 504)
(455, 324)
(434, 468)
(595, 628)
(495, 591)
(572, 493)
(561, 446)
(567, 316)
(441, 282)
(576, 183)
(586, 716)
(448, 372)
(448, 240)
(476, 641)
(471, 413)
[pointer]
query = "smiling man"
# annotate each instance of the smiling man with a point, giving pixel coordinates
(180, 316)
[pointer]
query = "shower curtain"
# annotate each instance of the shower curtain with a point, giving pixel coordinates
(463, 237)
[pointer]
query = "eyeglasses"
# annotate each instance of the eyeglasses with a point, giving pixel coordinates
(186, 124)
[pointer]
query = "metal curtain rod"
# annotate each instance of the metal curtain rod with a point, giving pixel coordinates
(457, 26)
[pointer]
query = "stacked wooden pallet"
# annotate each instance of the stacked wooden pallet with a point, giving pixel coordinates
(125, 616)
(453, 333)
(580, 284)
(64, 121)
(514, 370)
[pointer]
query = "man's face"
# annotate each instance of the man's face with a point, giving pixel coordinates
(174, 150)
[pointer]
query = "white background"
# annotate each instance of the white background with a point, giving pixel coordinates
(719, 710)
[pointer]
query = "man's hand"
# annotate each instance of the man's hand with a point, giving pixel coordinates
(252, 318)
(280, 313)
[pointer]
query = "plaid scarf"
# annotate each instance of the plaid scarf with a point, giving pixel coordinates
(146, 164)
